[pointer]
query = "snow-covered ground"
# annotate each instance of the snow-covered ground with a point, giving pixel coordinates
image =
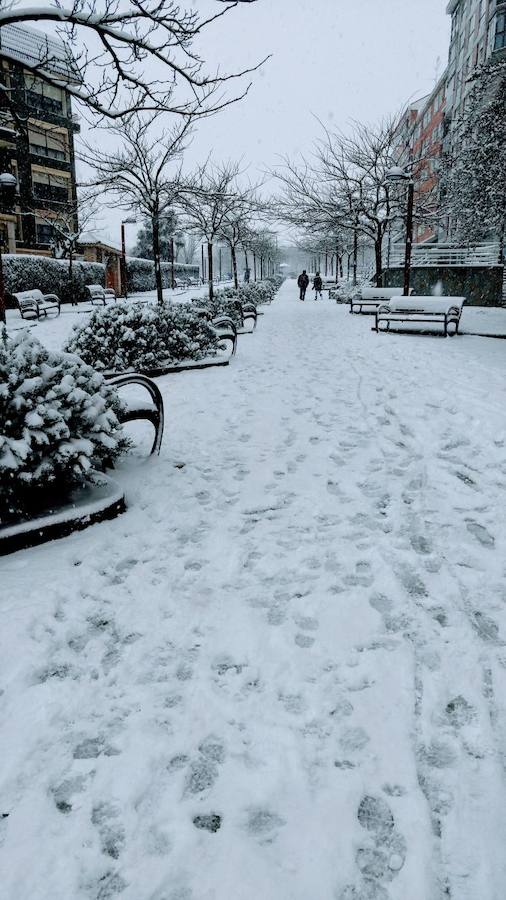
(282, 673)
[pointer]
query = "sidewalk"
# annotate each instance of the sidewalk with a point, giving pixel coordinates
(282, 671)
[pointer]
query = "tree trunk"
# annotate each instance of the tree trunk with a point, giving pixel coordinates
(234, 266)
(73, 299)
(355, 255)
(210, 272)
(255, 266)
(378, 256)
(337, 263)
(156, 256)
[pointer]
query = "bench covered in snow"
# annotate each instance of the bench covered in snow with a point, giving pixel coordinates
(34, 304)
(368, 300)
(149, 411)
(226, 330)
(444, 311)
(99, 294)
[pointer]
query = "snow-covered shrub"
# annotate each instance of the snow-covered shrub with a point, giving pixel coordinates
(130, 336)
(224, 303)
(141, 274)
(58, 420)
(51, 276)
(346, 290)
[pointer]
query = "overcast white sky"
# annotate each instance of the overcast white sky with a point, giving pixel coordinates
(335, 59)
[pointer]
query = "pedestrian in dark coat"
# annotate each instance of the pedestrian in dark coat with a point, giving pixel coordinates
(303, 282)
(318, 286)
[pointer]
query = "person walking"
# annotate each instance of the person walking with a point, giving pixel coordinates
(303, 282)
(318, 286)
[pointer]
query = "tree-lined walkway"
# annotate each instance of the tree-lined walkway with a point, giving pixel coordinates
(282, 672)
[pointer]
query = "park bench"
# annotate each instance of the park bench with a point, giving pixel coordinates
(99, 294)
(249, 311)
(34, 304)
(226, 330)
(439, 311)
(137, 409)
(368, 300)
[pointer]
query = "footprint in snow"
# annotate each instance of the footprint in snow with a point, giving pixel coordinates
(112, 834)
(263, 824)
(480, 533)
(353, 739)
(458, 712)
(485, 626)
(305, 641)
(384, 855)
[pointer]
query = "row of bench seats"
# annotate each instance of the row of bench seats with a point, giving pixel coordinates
(390, 309)
(36, 305)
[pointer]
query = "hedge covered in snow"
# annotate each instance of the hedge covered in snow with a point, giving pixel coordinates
(141, 274)
(346, 290)
(51, 276)
(58, 420)
(124, 337)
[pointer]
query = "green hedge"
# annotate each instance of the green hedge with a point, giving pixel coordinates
(51, 276)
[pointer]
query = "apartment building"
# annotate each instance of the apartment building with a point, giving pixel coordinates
(478, 34)
(419, 141)
(37, 131)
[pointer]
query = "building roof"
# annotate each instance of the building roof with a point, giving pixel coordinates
(97, 238)
(35, 48)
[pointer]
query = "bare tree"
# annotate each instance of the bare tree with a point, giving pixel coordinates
(210, 198)
(68, 226)
(344, 188)
(144, 174)
(126, 56)
(236, 228)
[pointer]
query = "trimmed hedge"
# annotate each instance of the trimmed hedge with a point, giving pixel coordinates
(123, 337)
(58, 420)
(51, 276)
(141, 274)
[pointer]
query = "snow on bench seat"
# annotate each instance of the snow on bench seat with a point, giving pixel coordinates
(421, 310)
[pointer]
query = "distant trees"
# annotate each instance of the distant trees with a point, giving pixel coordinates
(210, 201)
(127, 56)
(342, 193)
(474, 177)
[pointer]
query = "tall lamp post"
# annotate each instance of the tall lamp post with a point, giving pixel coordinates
(398, 175)
(8, 186)
(124, 288)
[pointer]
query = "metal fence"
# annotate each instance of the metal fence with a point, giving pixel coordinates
(423, 255)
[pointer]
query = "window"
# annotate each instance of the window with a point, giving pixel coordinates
(45, 233)
(500, 32)
(45, 96)
(48, 143)
(47, 186)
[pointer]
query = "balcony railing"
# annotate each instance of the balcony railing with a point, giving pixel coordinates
(432, 255)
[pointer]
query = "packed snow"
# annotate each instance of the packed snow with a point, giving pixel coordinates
(282, 673)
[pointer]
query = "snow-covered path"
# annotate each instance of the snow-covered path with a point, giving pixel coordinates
(283, 672)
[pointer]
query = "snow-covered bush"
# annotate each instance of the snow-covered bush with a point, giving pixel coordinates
(58, 420)
(51, 276)
(346, 290)
(222, 304)
(141, 274)
(130, 336)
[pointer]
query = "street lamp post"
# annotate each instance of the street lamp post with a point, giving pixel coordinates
(172, 275)
(397, 175)
(8, 185)
(124, 287)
